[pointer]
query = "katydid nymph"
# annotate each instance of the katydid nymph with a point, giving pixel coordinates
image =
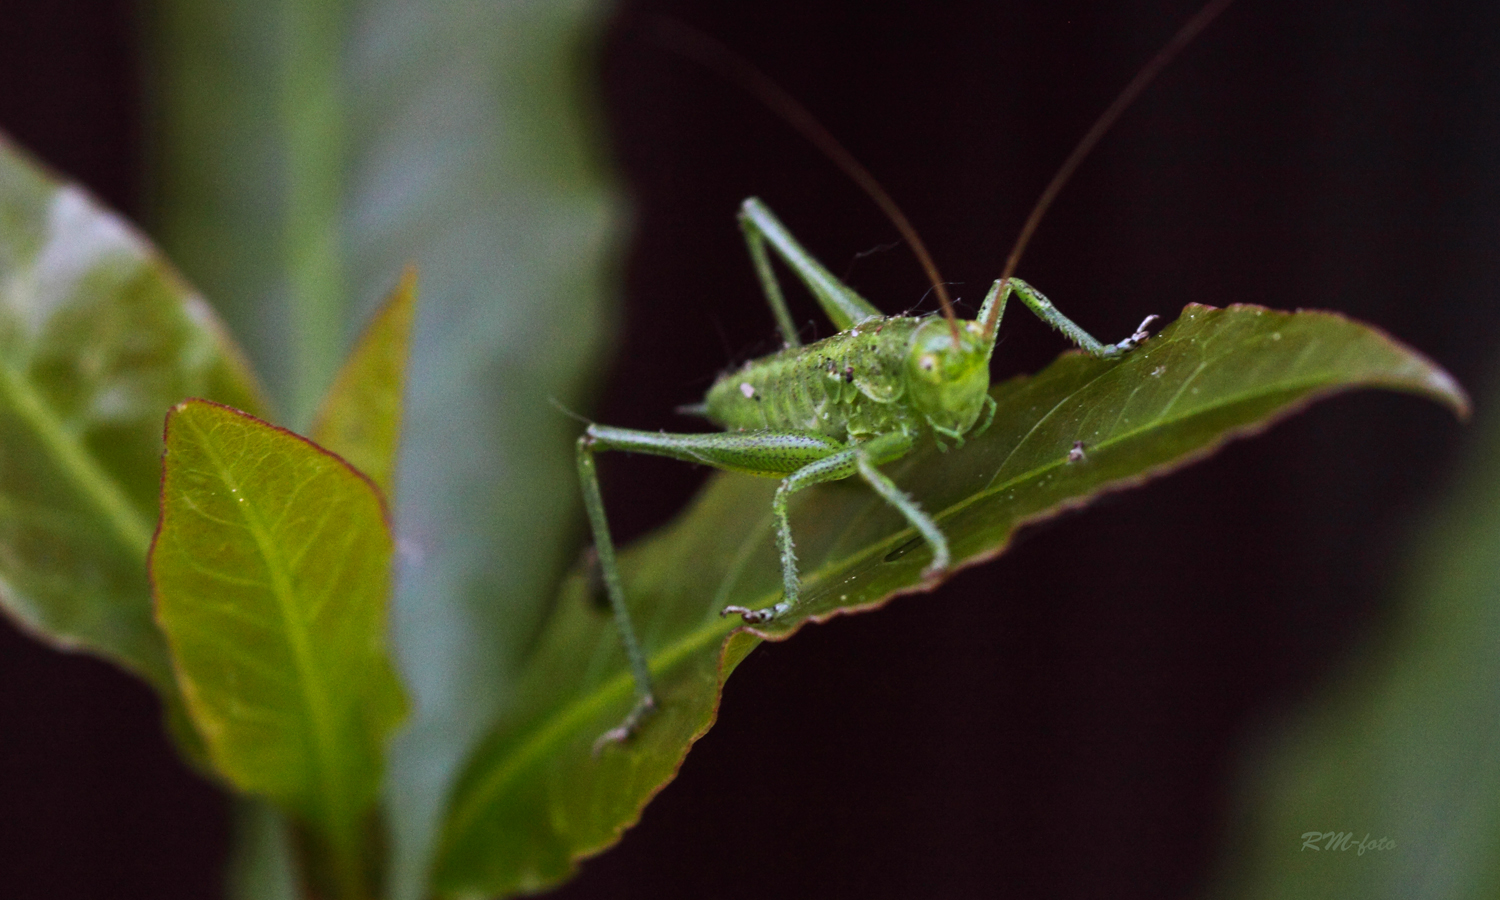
(843, 406)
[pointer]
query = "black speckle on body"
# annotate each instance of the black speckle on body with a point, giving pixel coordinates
(846, 386)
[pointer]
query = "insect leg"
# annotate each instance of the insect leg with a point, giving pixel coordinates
(773, 454)
(842, 305)
(1039, 304)
(989, 415)
(862, 459)
(604, 547)
(836, 467)
(755, 240)
(756, 453)
(991, 299)
(883, 449)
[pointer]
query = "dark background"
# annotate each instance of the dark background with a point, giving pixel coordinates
(1066, 721)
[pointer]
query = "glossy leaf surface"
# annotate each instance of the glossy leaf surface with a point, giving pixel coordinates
(360, 419)
(535, 799)
(272, 576)
(98, 338)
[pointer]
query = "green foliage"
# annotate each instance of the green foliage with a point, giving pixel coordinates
(536, 798)
(271, 571)
(98, 337)
(303, 155)
(360, 419)
(279, 616)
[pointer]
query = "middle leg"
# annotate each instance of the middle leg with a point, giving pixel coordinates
(861, 459)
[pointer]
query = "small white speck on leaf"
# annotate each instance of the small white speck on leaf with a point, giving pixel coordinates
(747, 390)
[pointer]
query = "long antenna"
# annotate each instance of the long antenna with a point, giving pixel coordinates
(710, 53)
(1182, 38)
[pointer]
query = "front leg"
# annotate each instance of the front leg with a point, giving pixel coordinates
(1038, 303)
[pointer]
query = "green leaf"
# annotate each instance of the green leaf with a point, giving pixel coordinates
(98, 338)
(261, 863)
(535, 799)
(272, 572)
(1403, 745)
(360, 419)
(305, 153)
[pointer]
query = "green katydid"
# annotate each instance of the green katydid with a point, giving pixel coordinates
(845, 405)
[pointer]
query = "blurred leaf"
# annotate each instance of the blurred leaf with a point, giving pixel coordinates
(535, 799)
(1406, 744)
(251, 159)
(272, 571)
(360, 419)
(262, 863)
(98, 338)
(460, 136)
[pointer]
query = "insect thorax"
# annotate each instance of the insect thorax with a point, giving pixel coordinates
(849, 385)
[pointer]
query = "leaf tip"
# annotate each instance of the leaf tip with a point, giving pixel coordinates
(1450, 392)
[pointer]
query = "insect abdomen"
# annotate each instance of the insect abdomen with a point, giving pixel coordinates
(844, 386)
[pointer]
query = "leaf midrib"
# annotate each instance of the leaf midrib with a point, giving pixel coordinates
(312, 691)
(586, 706)
(590, 702)
(129, 527)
